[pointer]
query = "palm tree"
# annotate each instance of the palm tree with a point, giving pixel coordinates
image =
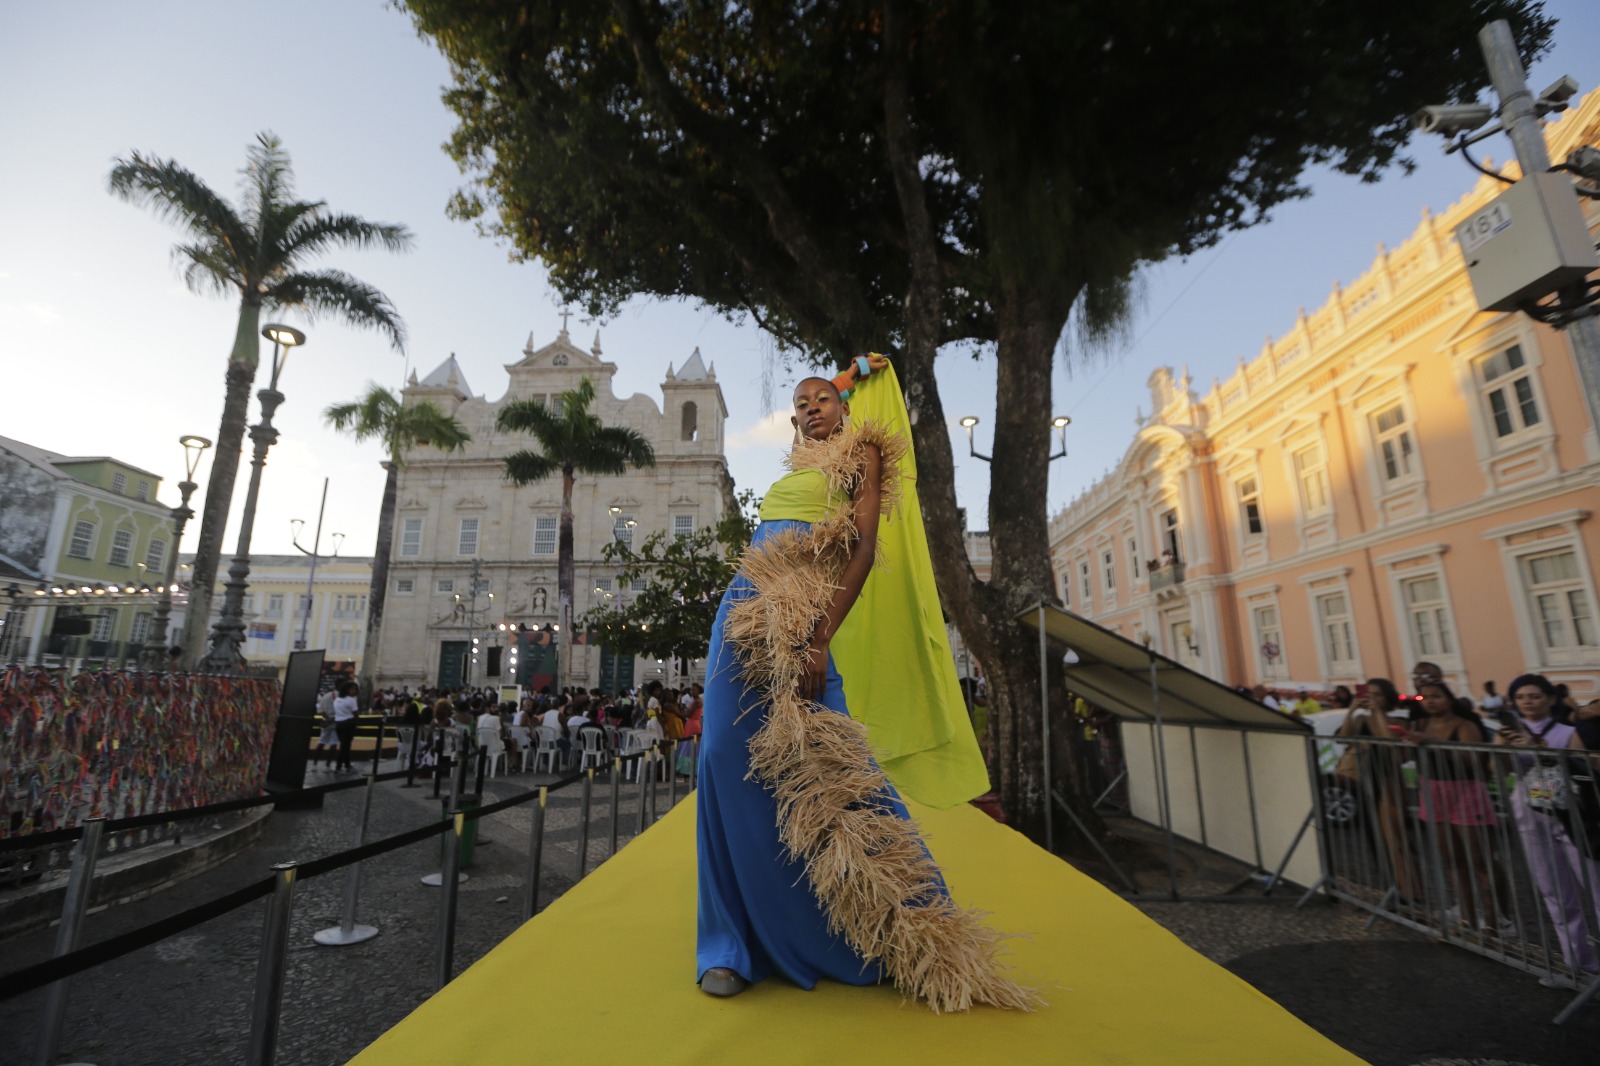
(571, 441)
(255, 251)
(382, 415)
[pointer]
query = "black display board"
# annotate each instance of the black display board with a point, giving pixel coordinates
(297, 723)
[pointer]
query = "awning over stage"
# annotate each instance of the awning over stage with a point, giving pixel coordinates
(1114, 673)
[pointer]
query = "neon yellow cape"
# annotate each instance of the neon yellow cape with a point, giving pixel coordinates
(899, 674)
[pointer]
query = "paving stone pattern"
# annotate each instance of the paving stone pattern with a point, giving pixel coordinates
(1391, 996)
(187, 999)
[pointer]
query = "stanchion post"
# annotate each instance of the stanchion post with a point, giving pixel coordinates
(655, 755)
(447, 897)
(377, 748)
(270, 968)
(616, 797)
(672, 774)
(530, 896)
(639, 772)
(74, 905)
(347, 931)
(483, 763)
(694, 765)
(583, 823)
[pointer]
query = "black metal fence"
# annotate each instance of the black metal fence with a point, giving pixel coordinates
(86, 841)
(1492, 848)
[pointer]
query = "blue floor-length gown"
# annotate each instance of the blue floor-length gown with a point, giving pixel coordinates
(758, 915)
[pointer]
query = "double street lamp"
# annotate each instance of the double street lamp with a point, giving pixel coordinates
(193, 448)
(1060, 422)
(296, 524)
(227, 636)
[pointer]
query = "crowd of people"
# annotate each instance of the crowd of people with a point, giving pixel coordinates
(1549, 799)
(444, 722)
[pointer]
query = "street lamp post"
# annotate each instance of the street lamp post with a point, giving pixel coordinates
(227, 636)
(316, 546)
(193, 448)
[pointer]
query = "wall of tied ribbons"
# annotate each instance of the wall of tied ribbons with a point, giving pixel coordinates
(115, 745)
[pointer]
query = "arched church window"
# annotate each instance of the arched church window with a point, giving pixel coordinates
(691, 421)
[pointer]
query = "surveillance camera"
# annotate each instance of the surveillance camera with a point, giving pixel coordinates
(1560, 92)
(1586, 161)
(1451, 119)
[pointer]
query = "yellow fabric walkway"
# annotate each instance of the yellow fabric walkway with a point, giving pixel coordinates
(1121, 989)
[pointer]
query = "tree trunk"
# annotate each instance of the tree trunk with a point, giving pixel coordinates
(241, 374)
(986, 613)
(380, 582)
(564, 582)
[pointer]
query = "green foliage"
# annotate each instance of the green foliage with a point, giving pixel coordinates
(750, 155)
(572, 439)
(258, 249)
(684, 580)
(381, 415)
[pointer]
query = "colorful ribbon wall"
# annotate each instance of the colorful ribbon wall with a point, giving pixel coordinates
(115, 745)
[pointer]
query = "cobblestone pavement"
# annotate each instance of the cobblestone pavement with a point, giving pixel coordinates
(1389, 995)
(187, 999)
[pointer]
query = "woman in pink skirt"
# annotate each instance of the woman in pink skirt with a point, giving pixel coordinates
(1456, 801)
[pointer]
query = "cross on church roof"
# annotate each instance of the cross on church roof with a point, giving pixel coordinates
(565, 314)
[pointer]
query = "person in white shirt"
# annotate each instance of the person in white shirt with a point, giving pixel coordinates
(1263, 697)
(1492, 701)
(489, 722)
(329, 740)
(345, 710)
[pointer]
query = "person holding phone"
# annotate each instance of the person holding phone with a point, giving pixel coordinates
(1380, 765)
(1568, 882)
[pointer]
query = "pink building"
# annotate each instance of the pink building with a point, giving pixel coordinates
(1400, 477)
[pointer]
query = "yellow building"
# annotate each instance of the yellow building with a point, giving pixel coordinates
(1400, 477)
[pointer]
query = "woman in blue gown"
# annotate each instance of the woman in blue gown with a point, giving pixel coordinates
(809, 864)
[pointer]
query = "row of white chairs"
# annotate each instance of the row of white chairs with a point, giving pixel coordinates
(541, 749)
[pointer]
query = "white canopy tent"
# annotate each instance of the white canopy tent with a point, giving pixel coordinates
(1234, 797)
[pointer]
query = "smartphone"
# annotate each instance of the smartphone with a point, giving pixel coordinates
(1509, 721)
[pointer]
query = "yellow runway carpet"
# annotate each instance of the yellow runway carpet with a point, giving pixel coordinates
(613, 960)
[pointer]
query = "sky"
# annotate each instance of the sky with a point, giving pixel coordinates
(104, 351)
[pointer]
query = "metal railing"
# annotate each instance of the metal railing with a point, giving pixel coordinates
(1492, 848)
(69, 959)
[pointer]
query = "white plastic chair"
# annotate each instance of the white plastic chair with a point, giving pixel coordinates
(495, 748)
(634, 742)
(546, 748)
(402, 750)
(593, 750)
(524, 738)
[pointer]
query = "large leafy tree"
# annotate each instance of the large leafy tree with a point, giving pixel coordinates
(934, 176)
(256, 251)
(683, 579)
(382, 415)
(572, 440)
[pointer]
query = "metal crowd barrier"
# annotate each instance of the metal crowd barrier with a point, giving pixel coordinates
(70, 960)
(1492, 848)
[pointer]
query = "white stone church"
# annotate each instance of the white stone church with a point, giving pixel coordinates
(473, 550)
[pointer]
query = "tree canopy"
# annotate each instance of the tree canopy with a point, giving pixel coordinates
(896, 175)
(683, 578)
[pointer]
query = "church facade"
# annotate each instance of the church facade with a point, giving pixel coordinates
(473, 552)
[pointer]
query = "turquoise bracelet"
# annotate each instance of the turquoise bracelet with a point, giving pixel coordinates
(863, 366)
